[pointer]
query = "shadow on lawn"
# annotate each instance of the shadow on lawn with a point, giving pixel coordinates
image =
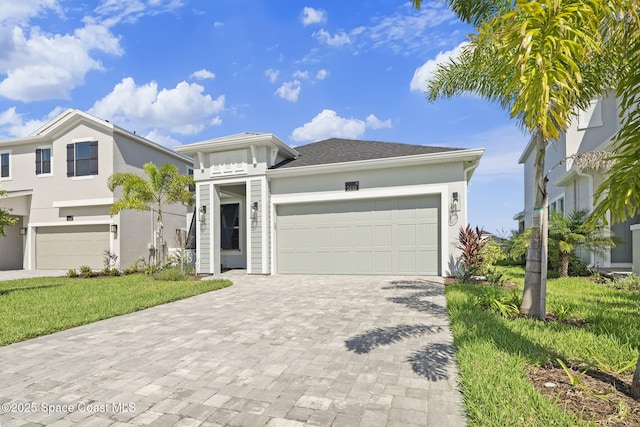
(28, 288)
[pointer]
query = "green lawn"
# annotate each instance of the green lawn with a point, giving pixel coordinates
(494, 353)
(35, 307)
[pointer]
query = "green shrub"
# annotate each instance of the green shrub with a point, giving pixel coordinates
(72, 273)
(499, 301)
(577, 267)
(494, 277)
(172, 274)
(490, 253)
(113, 272)
(627, 283)
(86, 271)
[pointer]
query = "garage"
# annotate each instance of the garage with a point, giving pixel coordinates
(376, 236)
(66, 247)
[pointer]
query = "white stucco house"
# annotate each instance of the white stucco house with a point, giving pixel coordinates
(570, 189)
(56, 179)
(336, 206)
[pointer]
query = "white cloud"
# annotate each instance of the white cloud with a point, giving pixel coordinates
(14, 125)
(203, 75)
(183, 109)
(426, 70)
(336, 40)
(299, 74)
(289, 90)
(130, 11)
(272, 75)
(12, 10)
(218, 24)
(313, 16)
(160, 138)
(41, 66)
(328, 124)
(322, 74)
(375, 123)
(406, 31)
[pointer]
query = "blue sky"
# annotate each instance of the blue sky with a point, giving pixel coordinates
(181, 71)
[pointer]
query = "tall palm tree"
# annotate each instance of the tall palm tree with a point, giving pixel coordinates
(540, 60)
(568, 233)
(164, 185)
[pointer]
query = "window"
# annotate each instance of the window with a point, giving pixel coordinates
(230, 226)
(82, 158)
(5, 165)
(43, 161)
(192, 188)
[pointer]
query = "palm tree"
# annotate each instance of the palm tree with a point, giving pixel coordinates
(164, 185)
(540, 60)
(568, 233)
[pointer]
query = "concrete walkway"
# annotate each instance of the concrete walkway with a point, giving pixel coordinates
(267, 351)
(27, 274)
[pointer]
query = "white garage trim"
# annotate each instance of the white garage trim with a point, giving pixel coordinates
(31, 232)
(375, 193)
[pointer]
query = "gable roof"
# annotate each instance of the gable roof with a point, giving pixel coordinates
(339, 150)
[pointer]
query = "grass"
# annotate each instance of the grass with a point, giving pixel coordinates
(495, 354)
(33, 307)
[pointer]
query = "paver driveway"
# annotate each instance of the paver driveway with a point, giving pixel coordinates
(267, 351)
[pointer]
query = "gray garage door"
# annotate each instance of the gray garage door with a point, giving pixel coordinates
(381, 236)
(65, 247)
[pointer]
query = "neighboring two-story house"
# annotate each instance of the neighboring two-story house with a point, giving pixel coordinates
(336, 206)
(571, 189)
(56, 180)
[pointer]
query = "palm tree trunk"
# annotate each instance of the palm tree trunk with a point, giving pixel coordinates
(563, 263)
(535, 280)
(635, 384)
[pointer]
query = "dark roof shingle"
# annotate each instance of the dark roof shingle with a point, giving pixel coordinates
(338, 150)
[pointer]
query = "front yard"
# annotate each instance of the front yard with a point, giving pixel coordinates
(35, 307)
(592, 328)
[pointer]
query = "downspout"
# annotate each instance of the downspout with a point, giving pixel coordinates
(590, 191)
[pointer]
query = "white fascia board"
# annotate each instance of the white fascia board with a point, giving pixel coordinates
(242, 141)
(419, 159)
(527, 151)
(635, 227)
(368, 193)
(81, 203)
(70, 223)
(36, 139)
(18, 193)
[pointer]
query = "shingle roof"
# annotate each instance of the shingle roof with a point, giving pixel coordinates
(338, 150)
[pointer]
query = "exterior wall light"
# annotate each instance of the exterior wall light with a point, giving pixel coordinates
(23, 231)
(114, 228)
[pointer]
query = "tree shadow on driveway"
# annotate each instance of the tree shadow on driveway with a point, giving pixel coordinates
(434, 360)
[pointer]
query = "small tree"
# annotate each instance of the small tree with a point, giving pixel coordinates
(164, 185)
(568, 233)
(5, 216)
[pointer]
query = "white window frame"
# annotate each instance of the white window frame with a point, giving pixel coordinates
(592, 116)
(553, 205)
(50, 148)
(9, 177)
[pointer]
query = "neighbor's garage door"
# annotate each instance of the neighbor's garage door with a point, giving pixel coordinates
(381, 236)
(66, 247)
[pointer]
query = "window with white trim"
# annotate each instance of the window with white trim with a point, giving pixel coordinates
(5, 164)
(43, 161)
(591, 116)
(82, 158)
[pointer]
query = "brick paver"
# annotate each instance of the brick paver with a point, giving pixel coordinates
(267, 351)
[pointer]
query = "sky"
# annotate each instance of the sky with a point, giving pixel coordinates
(183, 71)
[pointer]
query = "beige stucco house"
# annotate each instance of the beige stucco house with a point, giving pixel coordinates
(570, 189)
(336, 206)
(56, 180)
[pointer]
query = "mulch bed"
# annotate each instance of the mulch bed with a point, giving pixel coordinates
(601, 397)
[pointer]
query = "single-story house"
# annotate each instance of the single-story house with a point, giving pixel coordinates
(337, 206)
